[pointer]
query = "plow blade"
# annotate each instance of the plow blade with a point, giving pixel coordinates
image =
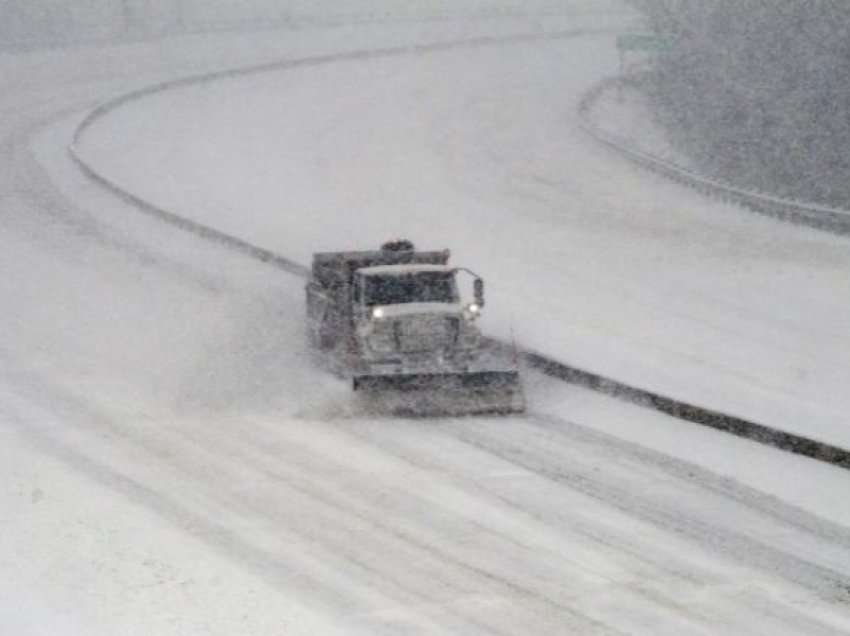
(451, 394)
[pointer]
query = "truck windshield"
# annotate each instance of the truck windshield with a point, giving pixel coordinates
(420, 287)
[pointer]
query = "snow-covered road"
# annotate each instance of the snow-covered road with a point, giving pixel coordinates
(478, 148)
(172, 464)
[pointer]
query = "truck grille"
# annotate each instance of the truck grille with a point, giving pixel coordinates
(420, 334)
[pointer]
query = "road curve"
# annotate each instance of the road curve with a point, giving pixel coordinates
(172, 464)
(596, 263)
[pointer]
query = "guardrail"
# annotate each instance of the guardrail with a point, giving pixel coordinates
(812, 215)
(790, 442)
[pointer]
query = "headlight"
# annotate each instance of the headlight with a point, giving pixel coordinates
(472, 311)
(377, 313)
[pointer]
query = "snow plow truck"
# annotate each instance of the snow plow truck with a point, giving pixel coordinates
(395, 322)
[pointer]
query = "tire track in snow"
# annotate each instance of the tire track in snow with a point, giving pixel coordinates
(541, 458)
(320, 479)
(294, 554)
(526, 449)
(74, 448)
(730, 544)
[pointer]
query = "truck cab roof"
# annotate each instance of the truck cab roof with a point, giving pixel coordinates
(333, 269)
(398, 270)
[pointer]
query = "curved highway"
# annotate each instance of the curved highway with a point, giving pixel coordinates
(172, 463)
(590, 260)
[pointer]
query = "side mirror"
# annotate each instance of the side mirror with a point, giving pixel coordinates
(478, 287)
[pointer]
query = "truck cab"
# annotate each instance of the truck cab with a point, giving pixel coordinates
(414, 311)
